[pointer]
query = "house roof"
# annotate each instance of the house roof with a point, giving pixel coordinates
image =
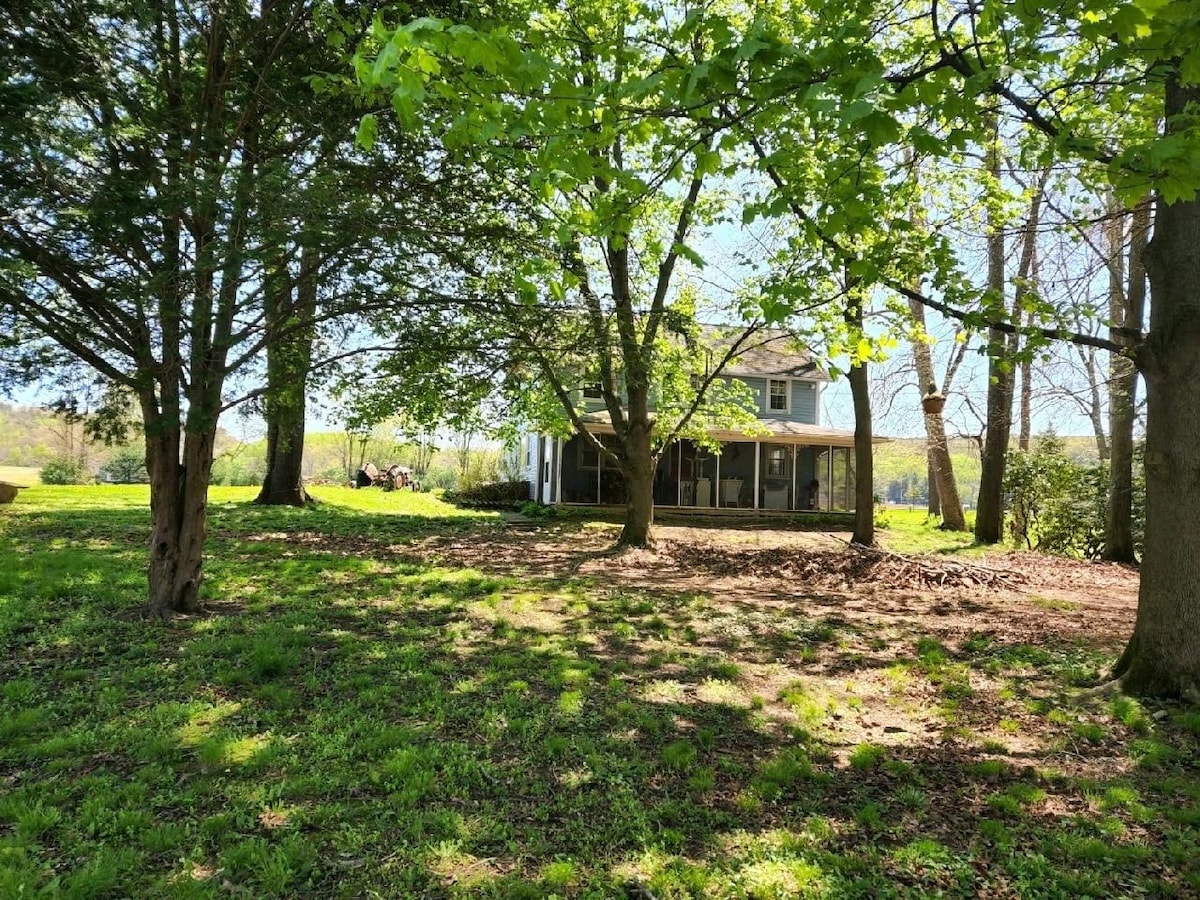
(771, 430)
(767, 352)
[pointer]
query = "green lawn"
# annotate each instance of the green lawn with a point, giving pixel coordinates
(911, 531)
(355, 718)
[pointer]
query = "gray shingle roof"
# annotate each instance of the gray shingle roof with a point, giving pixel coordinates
(768, 352)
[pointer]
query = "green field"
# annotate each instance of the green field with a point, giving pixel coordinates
(357, 716)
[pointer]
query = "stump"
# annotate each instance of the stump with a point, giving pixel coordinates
(8, 492)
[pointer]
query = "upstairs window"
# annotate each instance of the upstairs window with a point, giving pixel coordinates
(777, 395)
(592, 391)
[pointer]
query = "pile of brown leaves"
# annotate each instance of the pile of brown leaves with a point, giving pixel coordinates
(836, 568)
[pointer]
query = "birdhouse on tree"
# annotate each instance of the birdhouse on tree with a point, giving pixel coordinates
(934, 401)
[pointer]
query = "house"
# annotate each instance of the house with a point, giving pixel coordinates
(788, 462)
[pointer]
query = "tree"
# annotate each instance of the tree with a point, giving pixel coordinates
(351, 242)
(943, 494)
(607, 132)
(135, 154)
(864, 468)
(989, 507)
(1127, 316)
(289, 313)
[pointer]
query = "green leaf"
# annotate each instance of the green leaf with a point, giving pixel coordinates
(368, 130)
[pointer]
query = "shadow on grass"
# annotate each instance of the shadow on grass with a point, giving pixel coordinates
(378, 724)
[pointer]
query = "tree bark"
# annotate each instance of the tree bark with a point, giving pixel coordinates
(1163, 655)
(179, 515)
(989, 515)
(864, 463)
(1095, 402)
(864, 466)
(1025, 416)
(944, 499)
(1122, 400)
(638, 471)
(943, 487)
(289, 356)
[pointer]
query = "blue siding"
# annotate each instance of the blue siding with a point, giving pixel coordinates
(804, 400)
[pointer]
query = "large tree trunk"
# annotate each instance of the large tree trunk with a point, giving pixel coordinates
(989, 515)
(864, 465)
(943, 493)
(637, 468)
(289, 356)
(989, 519)
(179, 517)
(1122, 399)
(639, 473)
(943, 487)
(1163, 656)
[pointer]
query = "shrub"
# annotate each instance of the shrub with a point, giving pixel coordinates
(63, 470)
(238, 470)
(536, 510)
(126, 466)
(1059, 506)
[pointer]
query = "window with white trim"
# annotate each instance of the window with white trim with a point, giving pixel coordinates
(592, 391)
(528, 451)
(778, 399)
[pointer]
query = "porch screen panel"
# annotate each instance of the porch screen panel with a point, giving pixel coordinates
(808, 467)
(775, 476)
(839, 502)
(851, 499)
(698, 476)
(736, 485)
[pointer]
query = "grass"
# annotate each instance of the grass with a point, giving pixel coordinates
(357, 716)
(912, 531)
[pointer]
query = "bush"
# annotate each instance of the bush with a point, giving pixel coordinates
(238, 470)
(1059, 506)
(535, 510)
(63, 470)
(126, 466)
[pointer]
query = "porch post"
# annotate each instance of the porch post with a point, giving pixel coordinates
(829, 476)
(795, 461)
(558, 452)
(716, 491)
(679, 477)
(757, 460)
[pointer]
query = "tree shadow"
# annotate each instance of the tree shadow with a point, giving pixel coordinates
(382, 721)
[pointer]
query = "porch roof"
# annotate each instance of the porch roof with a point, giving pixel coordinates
(776, 431)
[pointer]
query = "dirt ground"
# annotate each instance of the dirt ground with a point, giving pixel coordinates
(764, 589)
(1026, 596)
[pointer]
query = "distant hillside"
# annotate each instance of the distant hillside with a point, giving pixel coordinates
(901, 474)
(31, 436)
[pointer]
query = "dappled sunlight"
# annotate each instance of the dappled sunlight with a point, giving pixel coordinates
(377, 715)
(200, 723)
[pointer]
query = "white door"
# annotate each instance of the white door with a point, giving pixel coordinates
(547, 468)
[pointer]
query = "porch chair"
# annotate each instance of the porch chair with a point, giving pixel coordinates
(731, 489)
